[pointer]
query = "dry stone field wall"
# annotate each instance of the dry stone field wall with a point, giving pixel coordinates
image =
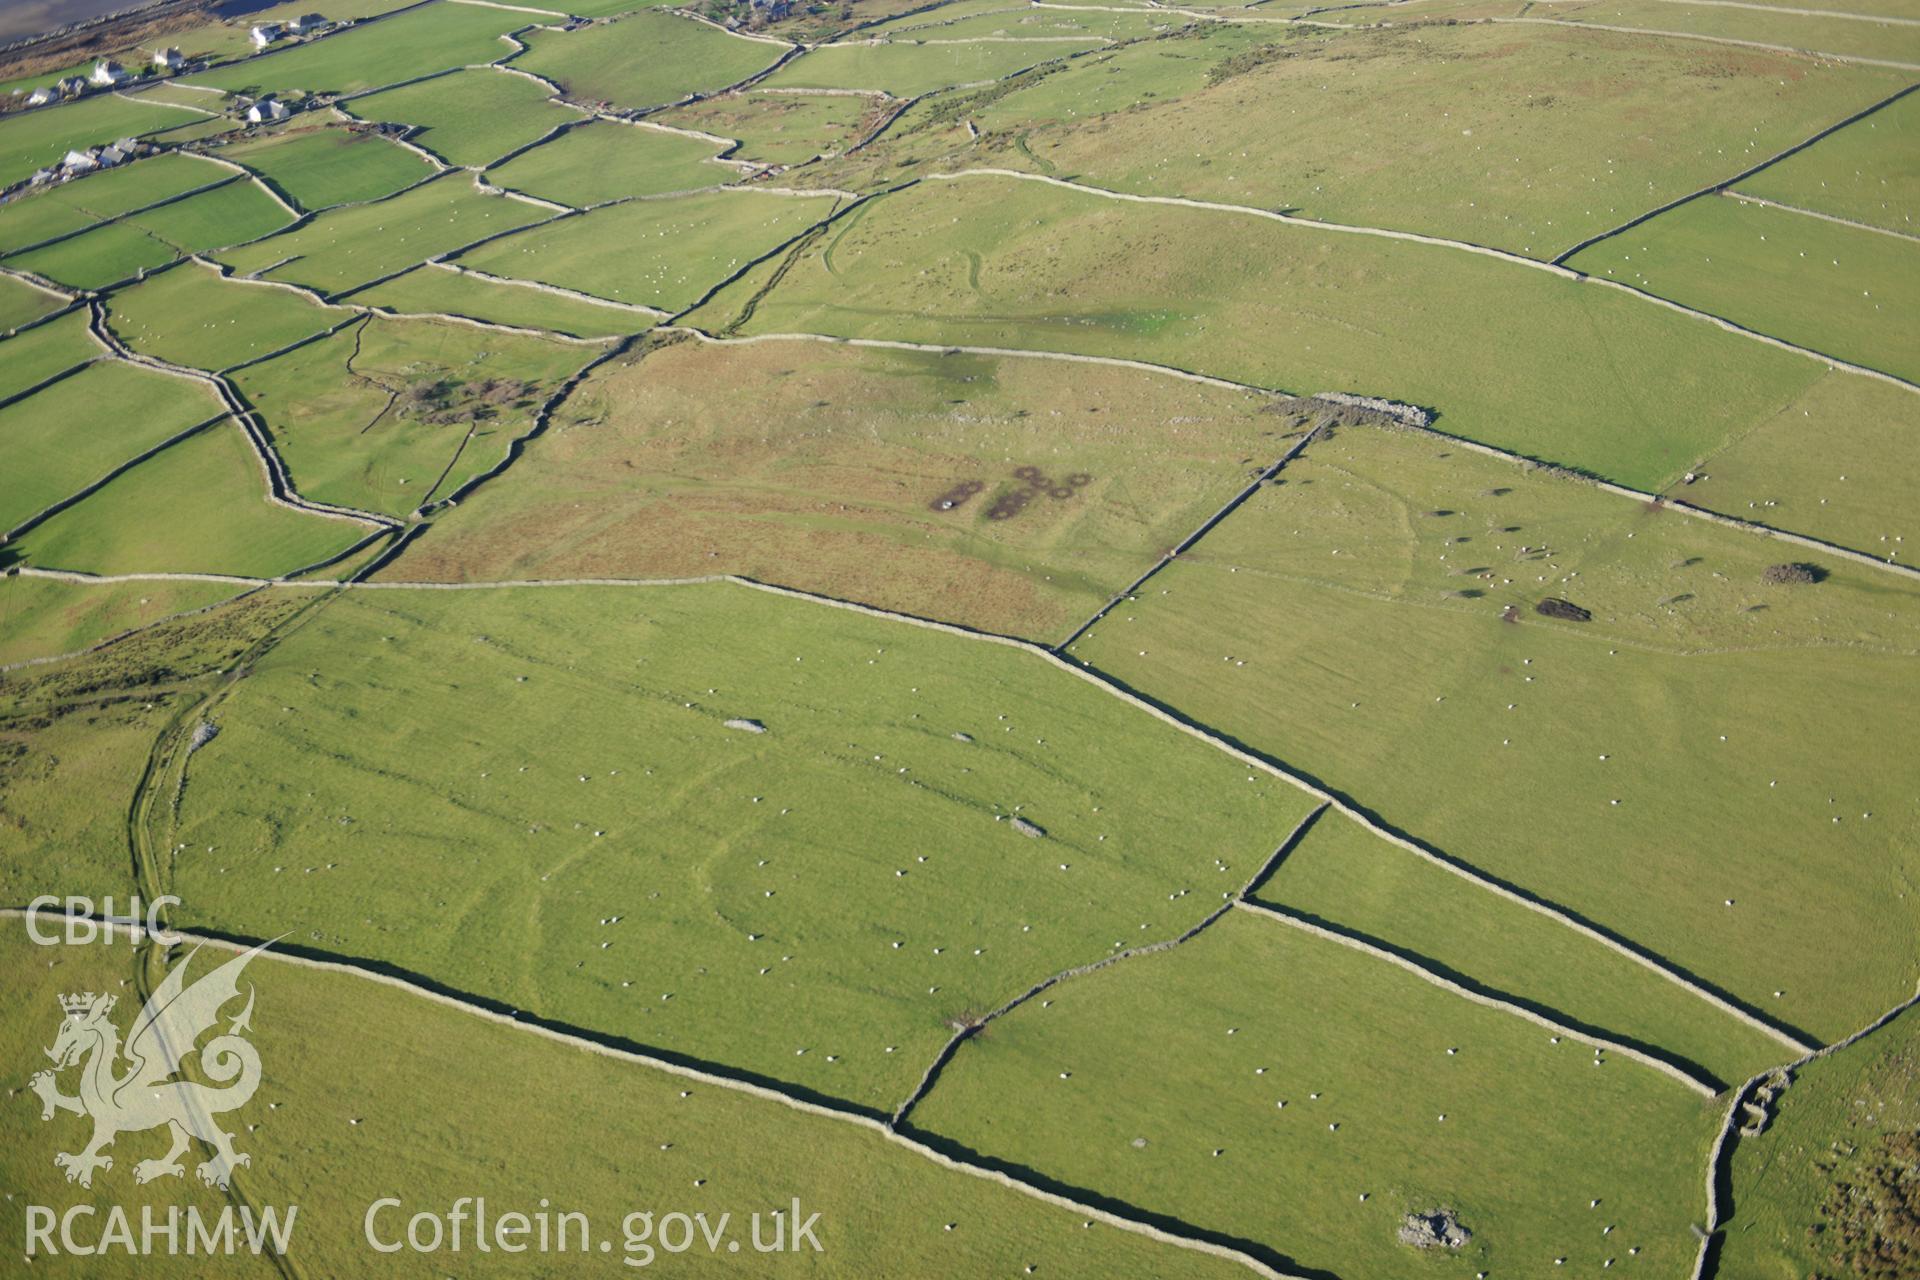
(970, 590)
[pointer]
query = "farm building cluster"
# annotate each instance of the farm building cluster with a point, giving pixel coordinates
(268, 33)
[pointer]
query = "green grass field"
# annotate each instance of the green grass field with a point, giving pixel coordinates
(22, 303)
(41, 618)
(191, 316)
(85, 726)
(198, 129)
(319, 167)
(1867, 172)
(74, 206)
(1842, 291)
(777, 128)
(1157, 1080)
(1599, 765)
(1002, 262)
(777, 612)
(387, 415)
(1525, 138)
(823, 468)
(1343, 876)
(44, 350)
(469, 117)
(1847, 1121)
(345, 248)
(101, 257)
(760, 881)
(435, 37)
(66, 436)
(349, 1102)
(644, 60)
(671, 251)
(1895, 41)
(1853, 491)
(26, 222)
(433, 291)
(599, 162)
(35, 139)
(228, 214)
(904, 70)
(1023, 22)
(200, 506)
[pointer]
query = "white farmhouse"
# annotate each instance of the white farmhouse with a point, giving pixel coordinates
(40, 97)
(107, 72)
(168, 59)
(266, 111)
(265, 34)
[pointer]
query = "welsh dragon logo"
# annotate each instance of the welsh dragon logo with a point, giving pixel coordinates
(144, 1094)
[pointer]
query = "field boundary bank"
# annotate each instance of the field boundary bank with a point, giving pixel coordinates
(52, 379)
(931, 1077)
(621, 1050)
(1115, 688)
